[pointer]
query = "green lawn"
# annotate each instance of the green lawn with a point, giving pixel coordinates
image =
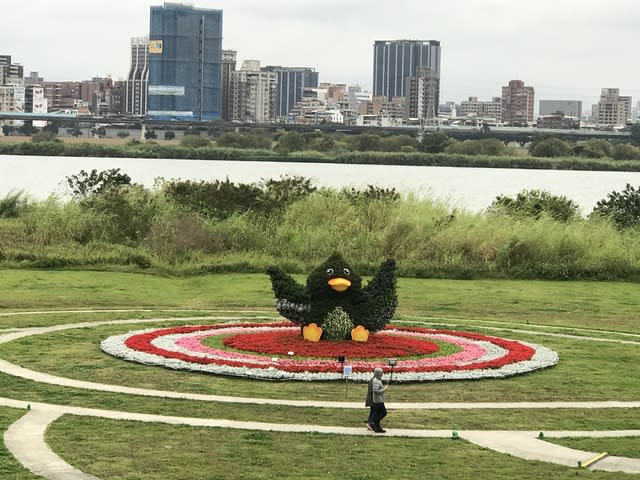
(132, 450)
(620, 447)
(587, 371)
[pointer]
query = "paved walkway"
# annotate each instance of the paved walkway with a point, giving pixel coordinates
(25, 438)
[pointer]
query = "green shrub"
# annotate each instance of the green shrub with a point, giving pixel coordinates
(594, 148)
(122, 214)
(84, 184)
(534, 204)
(337, 325)
(435, 142)
(487, 146)
(624, 151)
(44, 136)
(194, 141)
(13, 204)
(622, 208)
(550, 147)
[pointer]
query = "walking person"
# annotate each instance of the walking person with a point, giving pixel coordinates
(375, 401)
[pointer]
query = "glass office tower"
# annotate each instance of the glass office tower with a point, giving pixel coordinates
(185, 57)
(395, 60)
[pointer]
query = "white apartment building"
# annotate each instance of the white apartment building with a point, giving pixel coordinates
(612, 109)
(490, 110)
(253, 94)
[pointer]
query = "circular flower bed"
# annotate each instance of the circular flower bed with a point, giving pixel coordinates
(277, 351)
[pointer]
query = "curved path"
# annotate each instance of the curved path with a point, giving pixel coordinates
(18, 371)
(25, 438)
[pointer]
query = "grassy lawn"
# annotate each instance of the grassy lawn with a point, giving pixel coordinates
(619, 447)
(587, 371)
(598, 305)
(128, 450)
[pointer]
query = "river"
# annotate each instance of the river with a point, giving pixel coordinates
(467, 188)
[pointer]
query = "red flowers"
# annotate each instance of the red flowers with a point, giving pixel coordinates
(378, 346)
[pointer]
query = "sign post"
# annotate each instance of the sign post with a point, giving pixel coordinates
(392, 363)
(347, 370)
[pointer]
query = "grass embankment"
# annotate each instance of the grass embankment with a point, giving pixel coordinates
(135, 229)
(587, 370)
(170, 149)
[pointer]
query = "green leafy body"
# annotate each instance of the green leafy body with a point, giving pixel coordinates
(371, 306)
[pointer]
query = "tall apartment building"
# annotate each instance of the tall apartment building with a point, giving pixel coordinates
(517, 103)
(53, 94)
(185, 62)
(612, 109)
(490, 110)
(10, 73)
(137, 83)
(12, 91)
(569, 108)
(253, 93)
(291, 82)
(228, 67)
(335, 91)
(395, 60)
(422, 93)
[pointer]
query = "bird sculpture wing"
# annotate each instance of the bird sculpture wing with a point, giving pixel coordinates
(292, 299)
(379, 296)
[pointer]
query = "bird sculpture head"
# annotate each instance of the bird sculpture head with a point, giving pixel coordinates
(333, 278)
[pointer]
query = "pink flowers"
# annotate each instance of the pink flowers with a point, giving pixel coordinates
(276, 350)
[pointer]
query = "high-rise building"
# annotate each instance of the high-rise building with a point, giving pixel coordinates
(490, 110)
(254, 93)
(422, 93)
(569, 108)
(394, 61)
(291, 82)
(228, 67)
(613, 109)
(185, 57)
(135, 96)
(517, 103)
(10, 73)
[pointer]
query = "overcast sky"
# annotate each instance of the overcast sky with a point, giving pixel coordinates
(566, 49)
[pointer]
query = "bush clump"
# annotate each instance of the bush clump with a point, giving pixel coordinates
(337, 325)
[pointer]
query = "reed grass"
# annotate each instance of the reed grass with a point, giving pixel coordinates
(140, 229)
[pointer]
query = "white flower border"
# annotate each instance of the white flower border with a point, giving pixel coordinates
(115, 345)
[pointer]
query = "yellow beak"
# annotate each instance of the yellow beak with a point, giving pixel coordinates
(339, 284)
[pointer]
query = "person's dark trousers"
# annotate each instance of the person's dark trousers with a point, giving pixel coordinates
(378, 412)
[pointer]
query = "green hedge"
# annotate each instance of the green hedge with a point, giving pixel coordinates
(154, 150)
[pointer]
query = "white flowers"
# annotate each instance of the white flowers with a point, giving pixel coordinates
(476, 356)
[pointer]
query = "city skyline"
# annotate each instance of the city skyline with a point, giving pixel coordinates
(566, 50)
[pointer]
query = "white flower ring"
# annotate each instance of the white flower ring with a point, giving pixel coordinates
(475, 355)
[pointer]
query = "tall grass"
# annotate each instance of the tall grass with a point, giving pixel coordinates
(136, 228)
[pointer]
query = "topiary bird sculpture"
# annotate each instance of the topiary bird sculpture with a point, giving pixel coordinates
(334, 284)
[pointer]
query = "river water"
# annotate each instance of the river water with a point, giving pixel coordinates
(467, 188)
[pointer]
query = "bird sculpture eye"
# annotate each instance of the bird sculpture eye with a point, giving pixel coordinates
(347, 271)
(329, 271)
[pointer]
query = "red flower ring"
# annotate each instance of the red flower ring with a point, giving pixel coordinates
(476, 355)
(281, 343)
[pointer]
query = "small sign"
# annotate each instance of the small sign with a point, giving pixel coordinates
(347, 370)
(155, 46)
